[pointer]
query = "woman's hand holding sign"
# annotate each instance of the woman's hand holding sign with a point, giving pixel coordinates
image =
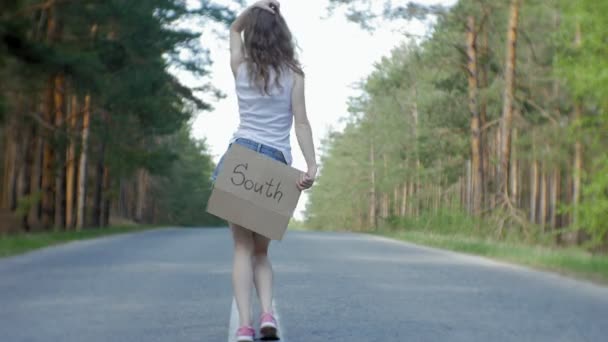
(307, 179)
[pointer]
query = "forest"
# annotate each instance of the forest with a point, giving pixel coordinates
(94, 128)
(499, 117)
(495, 123)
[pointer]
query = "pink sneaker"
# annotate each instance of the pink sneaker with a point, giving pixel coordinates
(268, 326)
(245, 334)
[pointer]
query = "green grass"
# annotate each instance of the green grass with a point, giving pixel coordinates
(297, 225)
(18, 244)
(574, 262)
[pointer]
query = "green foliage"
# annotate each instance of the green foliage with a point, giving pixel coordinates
(593, 211)
(184, 191)
(26, 203)
(345, 152)
(124, 55)
(413, 113)
(2, 110)
(22, 243)
(584, 65)
(367, 13)
(571, 261)
(442, 222)
(411, 123)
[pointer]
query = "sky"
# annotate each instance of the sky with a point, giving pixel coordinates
(336, 56)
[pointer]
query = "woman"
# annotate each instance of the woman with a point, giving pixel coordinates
(270, 90)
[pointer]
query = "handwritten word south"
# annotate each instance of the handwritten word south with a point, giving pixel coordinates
(250, 185)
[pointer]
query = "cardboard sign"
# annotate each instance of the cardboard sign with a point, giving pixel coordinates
(255, 192)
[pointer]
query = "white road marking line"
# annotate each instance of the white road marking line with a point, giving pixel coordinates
(234, 322)
(278, 318)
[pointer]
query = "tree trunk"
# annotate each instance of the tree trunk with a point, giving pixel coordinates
(10, 171)
(483, 113)
(82, 169)
(567, 218)
(385, 196)
(469, 185)
(59, 101)
(416, 184)
(24, 182)
(404, 200)
(105, 220)
(99, 179)
(508, 99)
(35, 148)
(23, 168)
(123, 201)
(463, 195)
(142, 189)
(577, 170)
(385, 206)
(533, 191)
(413, 200)
(520, 184)
(542, 219)
(476, 134)
(555, 193)
(514, 170)
(48, 162)
(372, 190)
(395, 207)
(437, 202)
(495, 167)
(71, 165)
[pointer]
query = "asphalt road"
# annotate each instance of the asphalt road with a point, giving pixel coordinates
(174, 285)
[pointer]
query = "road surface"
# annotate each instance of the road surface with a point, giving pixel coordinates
(174, 285)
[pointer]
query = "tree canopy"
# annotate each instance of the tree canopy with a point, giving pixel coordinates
(93, 119)
(425, 135)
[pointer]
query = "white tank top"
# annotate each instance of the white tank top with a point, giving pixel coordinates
(266, 119)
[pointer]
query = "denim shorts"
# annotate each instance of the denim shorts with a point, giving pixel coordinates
(255, 146)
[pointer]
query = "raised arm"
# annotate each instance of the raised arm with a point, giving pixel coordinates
(303, 132)
(237, 51)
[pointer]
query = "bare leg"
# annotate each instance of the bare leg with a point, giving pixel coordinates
(242, 271)
(262, 271)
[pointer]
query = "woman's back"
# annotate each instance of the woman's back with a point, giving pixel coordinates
(266, 118)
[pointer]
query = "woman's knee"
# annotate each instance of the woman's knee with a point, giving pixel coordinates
(243, 248)
(260, 252)
(243, 239)
(261, 245)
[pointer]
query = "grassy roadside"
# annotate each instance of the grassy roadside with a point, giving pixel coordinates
(18, 244)
(571, 261)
